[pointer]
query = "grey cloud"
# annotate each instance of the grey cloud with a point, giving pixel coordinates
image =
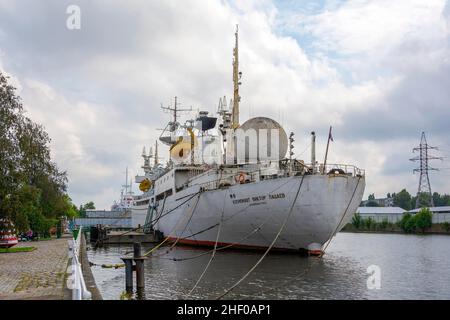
(129, 57)
(419, 103)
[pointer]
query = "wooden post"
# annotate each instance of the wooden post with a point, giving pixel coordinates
(139, 261)
(128, 274)
(136, 250)
(140, 279)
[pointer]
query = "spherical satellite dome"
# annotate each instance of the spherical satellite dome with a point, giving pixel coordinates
(259, 123)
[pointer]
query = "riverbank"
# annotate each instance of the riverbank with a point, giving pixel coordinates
(436, 228)
(36, 275)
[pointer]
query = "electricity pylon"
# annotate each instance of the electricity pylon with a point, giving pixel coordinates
(423, 158)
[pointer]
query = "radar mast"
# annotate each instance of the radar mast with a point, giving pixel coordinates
(236, 82)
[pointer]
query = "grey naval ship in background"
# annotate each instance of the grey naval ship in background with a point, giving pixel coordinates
(206, 196)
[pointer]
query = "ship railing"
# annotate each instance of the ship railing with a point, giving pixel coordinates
(76, 279)
(252, 176)
(334, 168)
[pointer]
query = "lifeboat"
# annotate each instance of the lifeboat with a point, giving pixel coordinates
(8, 237)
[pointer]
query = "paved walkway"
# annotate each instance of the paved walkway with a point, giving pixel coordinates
(34, 275)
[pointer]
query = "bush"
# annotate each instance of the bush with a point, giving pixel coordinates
(383, 224)
(423, 219)
(356, 221)
(369, 222)
(446, 226)
(407, 223)
(410, 225)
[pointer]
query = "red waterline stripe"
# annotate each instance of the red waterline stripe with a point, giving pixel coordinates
(204, 243)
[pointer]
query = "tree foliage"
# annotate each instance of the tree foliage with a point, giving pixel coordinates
(372, 203)
(420, 221)
(32, 189)
(423, 219)
(356, 220)
(402, 200)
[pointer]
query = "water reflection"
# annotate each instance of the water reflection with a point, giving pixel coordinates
(412, 267)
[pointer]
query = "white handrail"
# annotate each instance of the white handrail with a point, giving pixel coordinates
(79, 290)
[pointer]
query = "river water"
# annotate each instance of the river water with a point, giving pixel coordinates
(407, 267)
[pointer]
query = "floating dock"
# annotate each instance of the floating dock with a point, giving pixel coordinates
(104, 235)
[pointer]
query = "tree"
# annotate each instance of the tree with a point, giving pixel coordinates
(424, 200)
(371, 197)
(89, 206)
(372, 203)
(403, 200)
(32, 189)
(441, 200)
(406, 223)
(423, 219)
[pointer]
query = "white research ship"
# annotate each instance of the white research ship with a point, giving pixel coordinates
(208, 196)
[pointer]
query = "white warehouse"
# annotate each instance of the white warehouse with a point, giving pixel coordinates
(378, 214)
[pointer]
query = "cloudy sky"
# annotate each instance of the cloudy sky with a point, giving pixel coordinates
(377, 71)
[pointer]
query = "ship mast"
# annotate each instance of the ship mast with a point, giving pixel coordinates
(236, 77)
(156, 154)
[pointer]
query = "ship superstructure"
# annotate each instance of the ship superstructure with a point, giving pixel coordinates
(228, 183)
(125, 202)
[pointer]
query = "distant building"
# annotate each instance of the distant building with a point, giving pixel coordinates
(440, 214)
(378, 214)
(395, 214)
(381, 202)
(120, 219)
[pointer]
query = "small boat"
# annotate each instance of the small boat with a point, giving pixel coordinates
(8, 237)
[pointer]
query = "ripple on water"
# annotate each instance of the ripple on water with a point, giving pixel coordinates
(412, 267)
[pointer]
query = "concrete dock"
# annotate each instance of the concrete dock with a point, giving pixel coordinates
(128, 237)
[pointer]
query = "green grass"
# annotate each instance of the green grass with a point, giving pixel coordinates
(17, 249)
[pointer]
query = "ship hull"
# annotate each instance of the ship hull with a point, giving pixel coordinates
(251, 216)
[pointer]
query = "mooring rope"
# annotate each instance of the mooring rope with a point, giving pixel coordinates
(340, 221)
(270, 246)
(166, 213)
(290, 280)
(213, 253)
(172, 231)
(185, 227)
(228, 245)
(155, 220)
(308, 268)
(229, 218)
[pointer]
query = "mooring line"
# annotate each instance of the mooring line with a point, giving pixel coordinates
(308, 268)
(185, 227)
(304, 273)
(170, 233)
(155, 220)
(229, 218)
(228, 245)
(268, 249)
(213, 253)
